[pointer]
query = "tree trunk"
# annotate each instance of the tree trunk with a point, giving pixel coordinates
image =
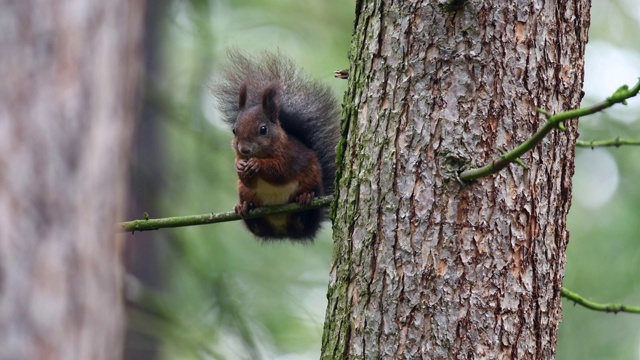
(142, 251)
(70, 72)
(424, 267)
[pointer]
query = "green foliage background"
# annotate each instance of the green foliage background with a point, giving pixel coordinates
(603, 259)
(226, 296)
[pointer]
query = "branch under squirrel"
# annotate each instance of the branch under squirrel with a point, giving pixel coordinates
(212, 218)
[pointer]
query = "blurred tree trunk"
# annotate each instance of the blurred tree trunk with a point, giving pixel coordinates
(70, 73)
(424, 267)
(142, 250)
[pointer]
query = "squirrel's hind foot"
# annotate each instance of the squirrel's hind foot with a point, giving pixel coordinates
(305, 198)
(243, 208)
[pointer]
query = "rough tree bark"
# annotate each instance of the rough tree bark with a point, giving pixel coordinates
(70, 72)
(424, 267)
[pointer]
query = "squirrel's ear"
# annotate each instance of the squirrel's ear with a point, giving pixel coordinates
(242, 101)
(271, 103)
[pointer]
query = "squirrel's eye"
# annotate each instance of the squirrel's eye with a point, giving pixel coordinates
(263, 129)
(234, 130)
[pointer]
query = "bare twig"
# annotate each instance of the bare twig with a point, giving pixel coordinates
(553, 121)
(610, 142)
(609, 308)
(212, 218)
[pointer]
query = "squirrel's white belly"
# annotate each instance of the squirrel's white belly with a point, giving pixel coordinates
(271, 194)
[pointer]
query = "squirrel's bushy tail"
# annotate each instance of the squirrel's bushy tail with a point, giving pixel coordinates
(309, 110)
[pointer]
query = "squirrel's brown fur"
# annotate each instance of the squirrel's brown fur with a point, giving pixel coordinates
(285, 132)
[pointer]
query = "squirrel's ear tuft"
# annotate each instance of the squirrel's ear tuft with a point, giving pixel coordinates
(271, 103)
(242, 100)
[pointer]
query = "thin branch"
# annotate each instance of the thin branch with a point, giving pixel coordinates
(553, 121)
(609, 308)
(212, 218)
(603, 143)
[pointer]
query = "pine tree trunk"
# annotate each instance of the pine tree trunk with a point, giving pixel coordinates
(70, 73)
(424, 267)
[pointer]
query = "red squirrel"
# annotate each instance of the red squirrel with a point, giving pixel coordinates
(286, 128)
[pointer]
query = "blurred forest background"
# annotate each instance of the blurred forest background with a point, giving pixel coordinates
(214, 292)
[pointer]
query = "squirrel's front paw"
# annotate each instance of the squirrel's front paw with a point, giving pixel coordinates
(241, 165)
(243, 208)
(252, 167)
(305, 198)
(247, 168)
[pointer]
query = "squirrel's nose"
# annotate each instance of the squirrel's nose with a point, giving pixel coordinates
(244, 150)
